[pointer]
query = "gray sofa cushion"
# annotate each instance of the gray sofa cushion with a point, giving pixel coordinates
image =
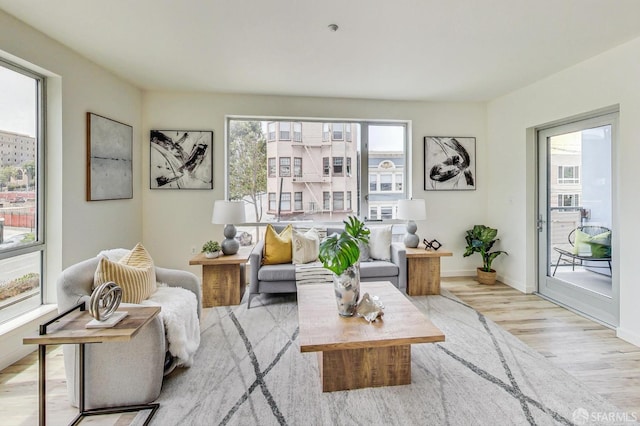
(283, 272)
(378, 268)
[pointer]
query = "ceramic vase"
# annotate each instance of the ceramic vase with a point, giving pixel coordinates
(347, 290)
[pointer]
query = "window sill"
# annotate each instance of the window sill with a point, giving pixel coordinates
(26, 318)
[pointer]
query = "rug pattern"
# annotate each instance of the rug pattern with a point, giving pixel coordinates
(249, 371)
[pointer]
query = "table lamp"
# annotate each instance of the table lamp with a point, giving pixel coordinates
(227, 213)
(411, 210)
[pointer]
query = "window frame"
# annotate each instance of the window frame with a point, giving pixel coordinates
(281, 167)
(297, 167)
(39, 244)
(282, 136)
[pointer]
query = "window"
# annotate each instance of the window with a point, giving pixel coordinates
(305, 164)
(325, 132)
(338, 201)
(568, 200)
(285, 131)
(373, 182)
(568, 174)
(271, 132)
(373, 213)
(386, 182)
(297, 200)
(338, 131)
(337, 166)
(285, 166)
(297, 167)
(399, 179)
(297, 132)
(386, 212)
(22, 239)
(272, 201)
(272, 167)
(285, 201)
(326, 169)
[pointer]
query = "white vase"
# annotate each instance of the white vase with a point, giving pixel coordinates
(211, 255)
(347, 290)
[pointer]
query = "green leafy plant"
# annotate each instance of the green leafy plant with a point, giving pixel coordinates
(481, 239)
(210, 247)
(340, 251)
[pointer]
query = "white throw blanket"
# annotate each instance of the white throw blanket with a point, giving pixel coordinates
(180, 318)
(312, 273)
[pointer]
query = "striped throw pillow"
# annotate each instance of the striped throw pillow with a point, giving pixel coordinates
(134, 273)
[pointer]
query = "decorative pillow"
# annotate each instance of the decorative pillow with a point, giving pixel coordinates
(580, 245)
(595, 246)
(364, 252)
(380, 242)
(134, 273)
(277, 247)
(305, 246)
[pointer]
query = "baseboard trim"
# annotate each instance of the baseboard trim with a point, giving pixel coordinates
(628, 336)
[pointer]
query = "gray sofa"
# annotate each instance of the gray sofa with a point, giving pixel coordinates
(282, 278)
(123, 373)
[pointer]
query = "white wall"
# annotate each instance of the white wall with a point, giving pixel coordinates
(75, 229)
(174, 221)
(611, 78)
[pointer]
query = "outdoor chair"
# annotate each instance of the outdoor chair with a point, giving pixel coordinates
(597, 237)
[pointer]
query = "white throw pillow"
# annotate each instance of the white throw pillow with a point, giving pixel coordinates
(305, 246)
(380, 242)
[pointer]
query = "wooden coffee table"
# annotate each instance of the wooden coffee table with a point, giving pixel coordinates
(353, 353)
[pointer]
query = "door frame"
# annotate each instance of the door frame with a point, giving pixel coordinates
(590, 305)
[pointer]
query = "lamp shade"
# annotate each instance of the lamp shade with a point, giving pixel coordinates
(412, 209)
(228, 212)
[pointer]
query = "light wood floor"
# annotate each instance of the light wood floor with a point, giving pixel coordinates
(605, 364)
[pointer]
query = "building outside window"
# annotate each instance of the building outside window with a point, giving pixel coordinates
(386, 212)
(325, 132)
(373, 213)
(285, 166)
(337, 133)
(338, 200)
(285, 131)
(337, 166)
(568, 200)
(297, 132)
(271, 132)
(386, 183)
(297, 201)
(349, 205)
(399, 179)
(348, 166)
(326, 168)
(272, 167)
(285, 201)
(373, 182)
(22, 215)
(297, 167)
(326, 200)
(348, 132)
(568, 174)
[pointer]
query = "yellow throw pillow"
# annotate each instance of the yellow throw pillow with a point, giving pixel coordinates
(277, 247)
(134, 273)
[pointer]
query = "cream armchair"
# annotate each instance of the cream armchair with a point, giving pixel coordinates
(126, 373)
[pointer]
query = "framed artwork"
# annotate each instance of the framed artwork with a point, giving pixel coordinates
(449, 163)
(109, 159)
(181, 159)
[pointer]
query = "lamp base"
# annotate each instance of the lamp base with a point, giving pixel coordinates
(411, 240)
(229, 244)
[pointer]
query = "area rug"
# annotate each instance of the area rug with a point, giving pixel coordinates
(249, 371)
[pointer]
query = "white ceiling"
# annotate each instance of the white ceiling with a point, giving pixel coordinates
(441, 50)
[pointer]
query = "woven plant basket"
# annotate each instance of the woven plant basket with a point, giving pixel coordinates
(487, 278)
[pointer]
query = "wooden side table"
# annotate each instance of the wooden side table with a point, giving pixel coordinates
(69, 328)
(223, 278)
(423, 270)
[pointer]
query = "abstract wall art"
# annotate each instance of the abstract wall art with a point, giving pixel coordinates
(109, 159)
(181, 159)
(449, 163)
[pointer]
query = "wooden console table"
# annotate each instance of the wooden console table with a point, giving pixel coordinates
(69, 328)
(223, 278)
(423, 271)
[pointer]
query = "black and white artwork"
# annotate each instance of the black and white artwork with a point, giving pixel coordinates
(449, 163)
(109, 159)
(181, 159)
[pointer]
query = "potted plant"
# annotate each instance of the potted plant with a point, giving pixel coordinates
(211, 249)
(481, 239)
(340, 254)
